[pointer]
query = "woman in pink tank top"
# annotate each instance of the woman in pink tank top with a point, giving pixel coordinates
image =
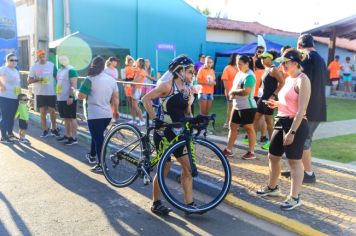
(290, 129)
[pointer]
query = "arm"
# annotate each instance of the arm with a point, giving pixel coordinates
(73, 88)
(115, 102)
(157, 92)
(240, 92)
(278, 75)
(84, 89)
(303, 101)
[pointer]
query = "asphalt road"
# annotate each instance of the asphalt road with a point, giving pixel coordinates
(47, 189)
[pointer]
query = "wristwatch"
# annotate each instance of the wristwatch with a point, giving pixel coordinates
(293, 132)
(71, 96)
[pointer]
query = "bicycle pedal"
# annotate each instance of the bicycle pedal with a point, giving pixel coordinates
(146, 180)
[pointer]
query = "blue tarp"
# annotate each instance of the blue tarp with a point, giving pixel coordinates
(8, 28)
(248, 49)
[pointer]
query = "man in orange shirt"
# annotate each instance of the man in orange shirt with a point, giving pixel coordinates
(228, 77)
(334, 73)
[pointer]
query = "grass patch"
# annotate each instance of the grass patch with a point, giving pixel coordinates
(340, 109)
(340, 148)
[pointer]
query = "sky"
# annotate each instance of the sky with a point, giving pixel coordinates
(296, 16)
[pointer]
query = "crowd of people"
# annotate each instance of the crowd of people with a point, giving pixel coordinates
(341, 71)
(255, 89)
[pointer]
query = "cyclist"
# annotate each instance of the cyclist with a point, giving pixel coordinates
(176, 96)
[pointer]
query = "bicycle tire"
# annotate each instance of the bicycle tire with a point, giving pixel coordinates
(169, 193)
(119, 156)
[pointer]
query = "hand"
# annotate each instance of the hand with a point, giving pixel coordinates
(69, 101)
(288, 139)
(271, 103)
(116, 115)
(157, 123)
(2, 88)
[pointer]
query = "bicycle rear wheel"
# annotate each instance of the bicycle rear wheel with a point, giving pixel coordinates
(211, 184)
(122, 150)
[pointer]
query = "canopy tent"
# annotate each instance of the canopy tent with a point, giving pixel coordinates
(248, 49)
(81, 48)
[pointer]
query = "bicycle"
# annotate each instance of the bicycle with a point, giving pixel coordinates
(126, 155)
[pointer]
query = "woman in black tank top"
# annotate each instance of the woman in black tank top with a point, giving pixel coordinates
(177, 97)
(272, 81)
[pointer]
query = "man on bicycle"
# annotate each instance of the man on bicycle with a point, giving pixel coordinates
(176, 99)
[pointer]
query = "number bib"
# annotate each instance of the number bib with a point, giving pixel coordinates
(45, 81)
(17, 90)
(59, 88)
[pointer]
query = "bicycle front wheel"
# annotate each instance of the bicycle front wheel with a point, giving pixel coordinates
(207, 189)
(122, 150)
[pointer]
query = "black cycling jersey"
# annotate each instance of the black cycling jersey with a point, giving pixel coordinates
(270, 84)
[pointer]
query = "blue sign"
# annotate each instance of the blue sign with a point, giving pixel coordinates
(8, 29)
(165, 47)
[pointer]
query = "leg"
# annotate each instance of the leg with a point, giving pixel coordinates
(156, 189)
(228, 112)
(43, 118)
(52, 113)
(209, 104)
(274, 170)
(297, 175)
(67, 126)
(11, 110)
(263, 127)
(137, 109)
(251, 137)
(74, 128)
(186, 179)
(257, 121)
(307, 156)
(232, 135)
(203, 106)
(269, 123)
(132, 110)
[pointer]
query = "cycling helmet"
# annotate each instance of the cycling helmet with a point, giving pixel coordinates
(182, 61)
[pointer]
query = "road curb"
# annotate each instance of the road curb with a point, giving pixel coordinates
(274, 218)
(259, 212)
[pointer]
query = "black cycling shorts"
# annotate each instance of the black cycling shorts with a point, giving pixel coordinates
(46, 101)
(170, 135)
(243, 117)
(263, 108)
(293, 151)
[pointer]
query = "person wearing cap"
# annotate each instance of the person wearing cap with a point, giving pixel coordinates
(9, 90)
(334, 73)
(42, 76)
(280, 67)
(67, 78)
(111, 67)
(315, 68)
(272, 81)
(290, 130)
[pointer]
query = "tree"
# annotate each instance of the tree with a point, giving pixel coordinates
(206, 11)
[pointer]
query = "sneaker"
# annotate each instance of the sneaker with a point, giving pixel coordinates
(249, 156)
(267, 191)
(6, 140)
(291, 203)
(45, 134)
(266, 146)
(12, 137)
(285, 173)
(141, 123)
(62, 139)
(228, 153)
(263, 139)
(91, 159)
(71, 141)
(97, 169)
(55, 132)
(159, 209)
(245, 140)
(309, 179)
(24, 140)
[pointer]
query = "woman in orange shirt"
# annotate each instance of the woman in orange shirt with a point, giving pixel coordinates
(129, 76)
(140, 75)
(206, 78)
(228, 77)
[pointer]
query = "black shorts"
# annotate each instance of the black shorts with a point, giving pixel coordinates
(170, 135)
(23, 124)
(67, 112)
(256, 99)
(263, 108)
(46, 101)
(293, 151)
(243, 117)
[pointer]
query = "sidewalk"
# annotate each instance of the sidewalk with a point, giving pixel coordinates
(328, 205)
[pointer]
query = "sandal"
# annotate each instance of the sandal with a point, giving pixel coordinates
(159, 209)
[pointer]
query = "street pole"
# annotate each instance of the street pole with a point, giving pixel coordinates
(41, 25)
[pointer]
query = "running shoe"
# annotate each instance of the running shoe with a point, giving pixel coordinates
(91, 159)
(55, 132)
(24, 140)
(45, 134)
(6, 140)
(245, 140)
(267, 191)
(159, 209)
(266, 146)
(291, 203)
(263, 139)
(62, 139)
(71, 141)
(12, 136)
(97, 169)
(309, 179)
(228, 153)
(249, 156)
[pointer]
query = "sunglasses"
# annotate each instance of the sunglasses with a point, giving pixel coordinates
(259, 52)
(25, 100)
(13, 60)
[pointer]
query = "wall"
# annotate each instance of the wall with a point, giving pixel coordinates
(228, 36)
(138, 25)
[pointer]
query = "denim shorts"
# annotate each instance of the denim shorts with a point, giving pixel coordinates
(209, 96)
